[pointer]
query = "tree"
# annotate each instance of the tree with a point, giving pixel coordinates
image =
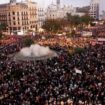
(3, 26)
(28, 42)
(1, 35)
(52, 25)
(69, 17)
(74, 21)
(73, 33)
(86, 19)
(79, 21)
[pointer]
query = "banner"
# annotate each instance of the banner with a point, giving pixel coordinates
(78, 71)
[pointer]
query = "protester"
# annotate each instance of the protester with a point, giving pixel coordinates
(77, 79)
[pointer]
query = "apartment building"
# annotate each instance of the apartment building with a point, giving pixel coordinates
(94, 9)
(20, 16)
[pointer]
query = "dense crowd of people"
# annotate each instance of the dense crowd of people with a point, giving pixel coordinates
(98, 30)
(53, 81)
(65, 41)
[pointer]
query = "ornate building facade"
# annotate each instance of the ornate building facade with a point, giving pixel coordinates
(53, 12)
(19, 16)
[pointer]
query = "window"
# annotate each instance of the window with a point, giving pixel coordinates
(14, 23)
(9, 14)
(18, 23)
(13, 13)
(9, 19)
(13, 18)
(18, 13)
(19, 28)
(18, 18)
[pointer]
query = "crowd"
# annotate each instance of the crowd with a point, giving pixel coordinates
(98, 30)
(53, 81)
(8, 40)
(65, 41)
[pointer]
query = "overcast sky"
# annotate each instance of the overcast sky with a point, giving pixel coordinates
(75, 3)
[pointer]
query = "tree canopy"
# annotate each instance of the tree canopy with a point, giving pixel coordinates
(3, 26)
(52, 25)
(73, 20)
(1, 35)
(76, 20)
(86, 19)
(28, 41)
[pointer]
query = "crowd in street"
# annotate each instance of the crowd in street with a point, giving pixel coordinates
(98, 30)
(65, 41)
(53, 81)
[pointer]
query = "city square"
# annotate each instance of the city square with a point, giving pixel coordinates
(52, 57)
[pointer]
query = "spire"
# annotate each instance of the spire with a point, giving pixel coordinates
(58, 3)
(12, 1)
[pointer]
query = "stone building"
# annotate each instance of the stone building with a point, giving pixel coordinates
(41, 17)
(55, 11)
(94, 9)
(20, 16)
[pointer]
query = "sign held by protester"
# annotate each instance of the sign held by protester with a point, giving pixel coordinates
(78, 71)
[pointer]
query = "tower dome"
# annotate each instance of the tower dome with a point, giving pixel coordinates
(58, 3)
